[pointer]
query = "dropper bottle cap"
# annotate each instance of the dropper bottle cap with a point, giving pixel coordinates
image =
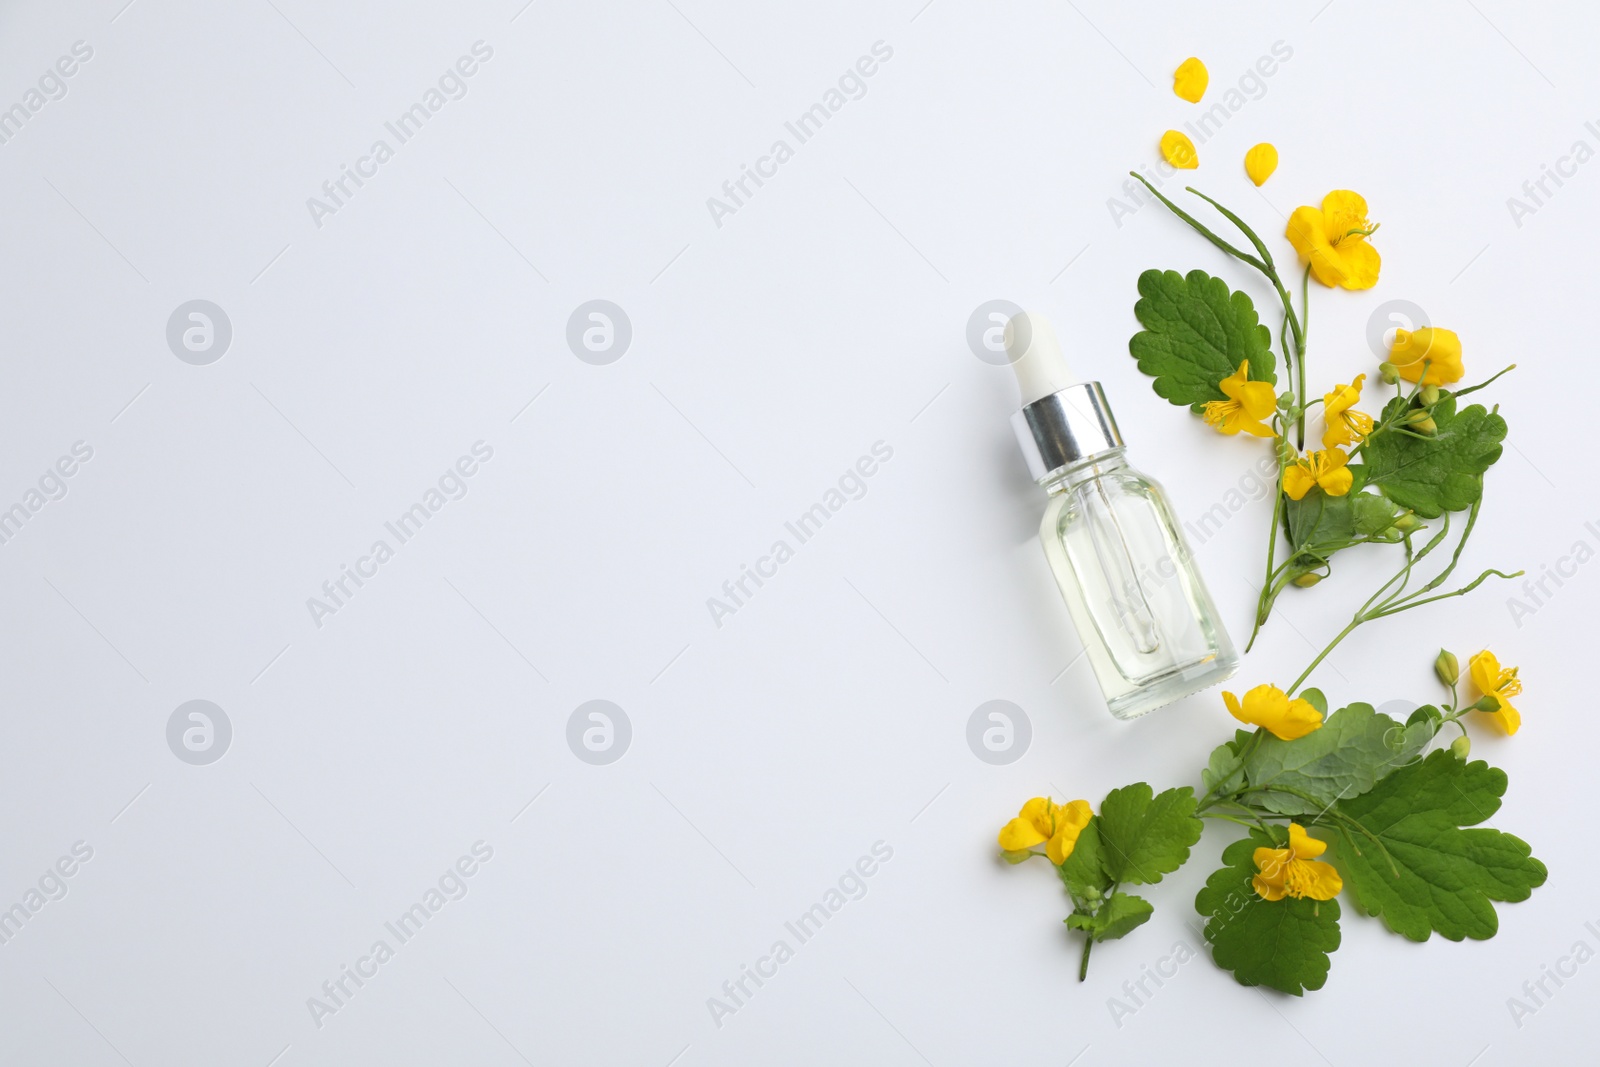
(1061, 422)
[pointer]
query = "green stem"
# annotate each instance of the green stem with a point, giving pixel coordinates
(1083, 964)
(1487, 381)
(1300, 357)
(1264, 602)
(1199, 227)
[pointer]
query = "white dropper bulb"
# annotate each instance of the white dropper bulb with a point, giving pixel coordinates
(1035, 356)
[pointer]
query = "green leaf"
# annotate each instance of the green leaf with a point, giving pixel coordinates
(1424, 873)
(1373, 513)
(1282, 944)
(1318, 520)
(1083, 872)
(1224, 775)
(1145, 837)
(1326, 523)
(1196, 333)
(1118, 916)
(1437, 473)
(1353, 749)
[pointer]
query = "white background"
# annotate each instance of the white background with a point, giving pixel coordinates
(768, 354)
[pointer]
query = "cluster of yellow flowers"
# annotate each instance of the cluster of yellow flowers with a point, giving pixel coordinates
(1332, 242)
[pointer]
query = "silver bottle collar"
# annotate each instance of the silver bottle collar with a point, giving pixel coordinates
(1064, 428)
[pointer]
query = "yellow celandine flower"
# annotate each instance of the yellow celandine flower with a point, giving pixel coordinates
(1043, 820)
(1269, 707)
(1260, 162)
(1247, 404)
(1295, 871)
(1439, 348)
(1325, 468)
(1502, 683)
(1333, 240)
(1345, 426)
(1177, 149)
(1190, 80)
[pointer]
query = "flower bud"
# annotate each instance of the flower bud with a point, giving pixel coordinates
(1388, 372)
(1015, 857)
(1308, 579)
(1421, 421)
(1429, 394)
(1408, 522)
(1461, 747)
(1447, 667)
(1286, 400)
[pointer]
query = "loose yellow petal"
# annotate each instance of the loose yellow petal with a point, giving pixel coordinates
(1190, 80)
(1260, 162)
(1177, 149)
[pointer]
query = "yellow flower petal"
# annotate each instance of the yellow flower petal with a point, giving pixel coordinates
(1509, 718)
(1303, 845)
(1502, 683)
(1273, 863)
(1346, 211)
(1248, 403)
(1333, 241)
(1312, 878)
(1338, 480)
(1190, 80)
(1034, 824)
(1269, 707)
(1439, 348)
(1265, 889)
(1344, 426)
(1070, 821)
(1018, 835)
(1294, 871)
(1362, 263)
(1260, 162)
(1177, 149)
(1297, 481)
(1485, 670)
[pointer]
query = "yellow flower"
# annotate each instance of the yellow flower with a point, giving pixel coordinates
(1333, 240)
(1177, 149)
(1295, 871)
(1042, 819)
(1440, 348)
(1190, 80)
(1345, 426)
(1270, 707)
(1247, 404)
(1502, 683)
(1326, 468)
(1260, 162)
